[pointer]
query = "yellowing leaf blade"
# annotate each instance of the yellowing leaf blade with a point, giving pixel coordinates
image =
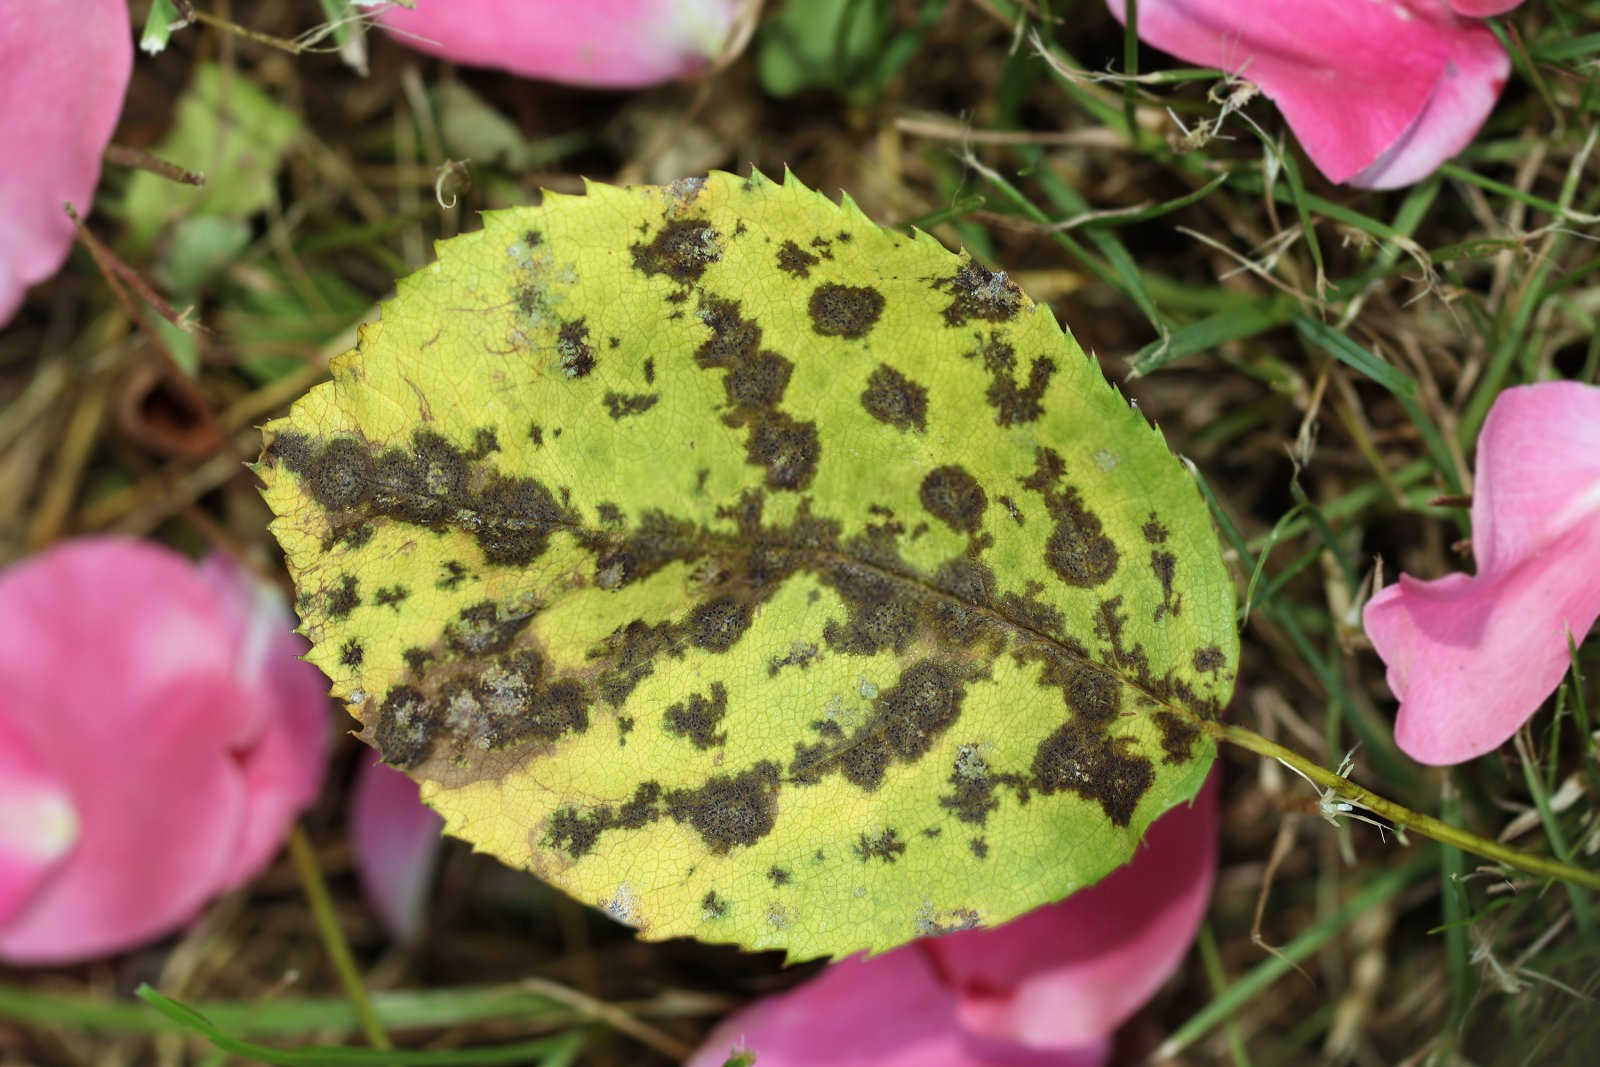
(755, 573)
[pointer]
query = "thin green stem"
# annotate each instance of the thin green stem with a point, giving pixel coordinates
(1426, 825)
(305, 865)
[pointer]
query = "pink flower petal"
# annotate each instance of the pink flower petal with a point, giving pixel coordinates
(1474, 73)
(118, 665)
(38, 823)
(282, 753)
(1047, 989)
(1472, 658)
(1482, 9)
(396, 842)
(888, 1011)
(604, 43)
(1352, 77)
(1072, 972)
(64, 69)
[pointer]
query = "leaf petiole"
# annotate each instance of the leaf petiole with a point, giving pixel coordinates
(1426, 825)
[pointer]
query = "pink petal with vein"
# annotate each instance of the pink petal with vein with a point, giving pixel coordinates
(120, 669)
(395, 838)
(64, 69)
(604, 43)
(1355, 79)
(1472, 658)
(1045, 990)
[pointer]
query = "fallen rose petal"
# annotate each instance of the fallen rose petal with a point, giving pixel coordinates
(119, 667)
(1472, 658)
(603, 43)
(38, 824)
(77, 57)
(1482, 9)
(1379, 92)
(280, 752)
(1072, 972)
(395, 838)
(1047, 989)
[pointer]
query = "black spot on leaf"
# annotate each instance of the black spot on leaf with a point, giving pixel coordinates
(1077, 549)
(698, 717)
(573, 349)
(792, 259)
(885, 846)
(954, 496)
(1014, 404)
(847, 311)
(976, 293)
(621, 405)
(892, 398)
(730, 811)
(1094, 766)
(682, 251)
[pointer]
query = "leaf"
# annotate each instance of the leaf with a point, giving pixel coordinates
(752, 572)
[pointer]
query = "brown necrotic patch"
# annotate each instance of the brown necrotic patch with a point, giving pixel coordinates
(954, 497)
(891, 397)
(884, 845)
(1013, 403)
(576, 831)
(681, 250)
(621, 405)
(972, 797)
(755, 381)
(1164, 565)
(788, 449)
(343, 598)
(730, 811)
(1209, 658)
(573, 349)
(792, 259)
(485, 627)
(1083, 759)
(907, 719)
(1077, 550)
(697, 718)
(1178, 735)
(847, 311)
(352, 653)
(431, 483)
(976, 293)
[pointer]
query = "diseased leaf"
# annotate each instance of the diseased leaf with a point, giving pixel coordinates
(754, 573)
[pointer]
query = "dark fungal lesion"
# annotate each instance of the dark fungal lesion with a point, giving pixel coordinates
(621, 405)
(573, 350)
(431, 484)
(1077, 549)
(352, 653)
(576, 831)
(696, 719)
(681, 250)
(847, 311)
(977, 293)
(907, 720)
(1014, 404)
(1164, 565)
(884, 845)
(755, 380)
(1084, 759)
(343, 598)
(730, 811)
(896, 400)
(953, 496)
(796, 261)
